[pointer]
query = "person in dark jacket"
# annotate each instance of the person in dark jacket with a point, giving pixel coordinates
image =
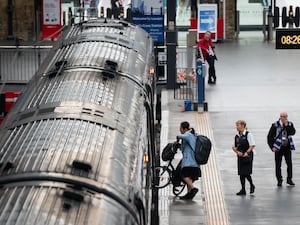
(190, 170)
(243, 148)
(209, 55)
(281, 143)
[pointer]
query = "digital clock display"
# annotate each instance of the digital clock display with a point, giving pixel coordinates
(287, 38)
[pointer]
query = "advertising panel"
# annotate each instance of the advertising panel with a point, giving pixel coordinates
(51, 26)
(207, 19)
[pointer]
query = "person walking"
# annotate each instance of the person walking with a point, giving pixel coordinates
(243, 148)
(281, 143)
(209, 55)
(190, 170)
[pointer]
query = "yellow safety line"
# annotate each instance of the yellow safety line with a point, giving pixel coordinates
(211, 181)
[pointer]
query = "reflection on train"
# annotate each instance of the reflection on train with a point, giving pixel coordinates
(78, 145)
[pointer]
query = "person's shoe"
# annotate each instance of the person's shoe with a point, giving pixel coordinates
(186, 196)
(210, 82)
(279, 183)
(241, 192)
(193, 192)
(252, 189)
(290, 182)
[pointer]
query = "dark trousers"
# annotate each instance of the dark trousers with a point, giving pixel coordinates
(211, 70)
(286, 152)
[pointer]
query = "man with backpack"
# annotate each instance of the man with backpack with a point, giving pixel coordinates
(281, 143)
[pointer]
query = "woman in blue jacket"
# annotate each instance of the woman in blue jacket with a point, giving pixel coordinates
(190, 170)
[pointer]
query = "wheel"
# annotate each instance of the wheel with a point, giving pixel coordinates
(177, 190)
(163, 175)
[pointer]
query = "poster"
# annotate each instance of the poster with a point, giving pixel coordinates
(51, 26)
(207, 19)
(51, 13)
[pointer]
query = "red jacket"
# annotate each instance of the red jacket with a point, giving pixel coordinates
(204, 44)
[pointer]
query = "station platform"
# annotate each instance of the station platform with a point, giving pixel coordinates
(255, 83)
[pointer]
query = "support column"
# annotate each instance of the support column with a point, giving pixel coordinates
(171, 42)
(10, 10)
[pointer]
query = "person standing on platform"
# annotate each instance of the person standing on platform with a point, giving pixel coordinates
(207, 49)
(190, 170)
(243, 148)
(281, 143)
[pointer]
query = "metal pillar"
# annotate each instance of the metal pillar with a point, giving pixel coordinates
(270, 25)
(237, 25)
(171, 42)
(10, 12)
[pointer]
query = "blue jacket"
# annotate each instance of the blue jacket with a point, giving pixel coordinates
(188, 140)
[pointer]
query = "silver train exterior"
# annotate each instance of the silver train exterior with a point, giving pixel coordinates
(78, 145)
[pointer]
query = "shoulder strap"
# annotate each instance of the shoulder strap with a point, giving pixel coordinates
(195, 143)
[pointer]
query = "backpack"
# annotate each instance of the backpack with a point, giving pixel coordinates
(169, 151)
(202, 149)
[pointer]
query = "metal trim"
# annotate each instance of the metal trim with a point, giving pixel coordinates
(69, 179)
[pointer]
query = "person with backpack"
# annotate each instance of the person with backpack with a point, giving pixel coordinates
(243, 148)
(190, 169)
(281, 143)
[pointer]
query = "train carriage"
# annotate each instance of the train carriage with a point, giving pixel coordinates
(78, 145)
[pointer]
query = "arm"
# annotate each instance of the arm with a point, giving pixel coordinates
(249, 150)
(182, 136)
(271, 136)
(290, 129)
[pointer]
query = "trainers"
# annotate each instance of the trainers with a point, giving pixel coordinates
(241, 192)
(186, 196)
(290, 182)
(193, 192)
(252, 188)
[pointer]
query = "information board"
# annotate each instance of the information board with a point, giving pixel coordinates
(287, 38)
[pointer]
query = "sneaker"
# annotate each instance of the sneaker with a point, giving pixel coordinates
(241, 192)
(252, 188)
(186, 196)
(290, 182)
(193, 192)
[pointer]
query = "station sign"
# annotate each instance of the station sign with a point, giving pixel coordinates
(148, 14)
(287, 38)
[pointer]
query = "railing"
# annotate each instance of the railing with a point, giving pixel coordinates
(186, 74)
(19, 64)
(187, 85)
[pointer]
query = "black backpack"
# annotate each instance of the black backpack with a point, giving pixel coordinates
(169, 151)
(202, 149)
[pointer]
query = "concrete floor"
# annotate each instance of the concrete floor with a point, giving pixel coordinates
(255, 82)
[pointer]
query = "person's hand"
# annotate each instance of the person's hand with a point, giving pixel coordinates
(239, 154)
(245, 154)
(274, 149)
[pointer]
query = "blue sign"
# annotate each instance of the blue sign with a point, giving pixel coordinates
(207, 20)
(153, 24)
(200, 82)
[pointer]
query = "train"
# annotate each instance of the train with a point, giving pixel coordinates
(78, 146)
